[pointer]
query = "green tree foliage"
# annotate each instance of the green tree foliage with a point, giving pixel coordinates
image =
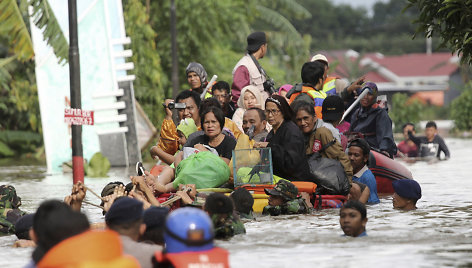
(450, 20)
(202, 28)
(388, 30)
(19, 108)
(405, 110)
(45, 20)
(329, 23)
(150, 82)
(461, 109)
(214, 34)
(16, 143)
(288, 48)
(13, 15)
(15, 29)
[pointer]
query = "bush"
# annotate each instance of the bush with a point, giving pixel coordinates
(405, 110)
(461, 109)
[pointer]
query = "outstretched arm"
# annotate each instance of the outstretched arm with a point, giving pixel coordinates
(157, 152)
(443, 147)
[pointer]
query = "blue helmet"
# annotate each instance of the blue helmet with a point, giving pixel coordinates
(188, 229)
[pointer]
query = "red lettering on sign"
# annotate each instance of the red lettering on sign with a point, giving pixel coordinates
(78, 117)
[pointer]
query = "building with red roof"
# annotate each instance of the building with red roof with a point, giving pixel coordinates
(426, 76)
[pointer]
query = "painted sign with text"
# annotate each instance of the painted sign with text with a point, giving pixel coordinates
(78, 117)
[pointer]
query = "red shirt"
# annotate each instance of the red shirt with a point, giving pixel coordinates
(408, 149)
(240, 80)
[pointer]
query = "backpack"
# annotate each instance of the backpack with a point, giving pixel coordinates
(328, 174)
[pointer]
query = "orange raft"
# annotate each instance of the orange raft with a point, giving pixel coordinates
(261, 199)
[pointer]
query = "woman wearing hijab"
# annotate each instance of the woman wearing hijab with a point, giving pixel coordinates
(196, 77)
(250, 98)
(286, 141)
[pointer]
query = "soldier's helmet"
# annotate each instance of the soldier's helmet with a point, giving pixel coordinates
(8, 197)
(285, 189)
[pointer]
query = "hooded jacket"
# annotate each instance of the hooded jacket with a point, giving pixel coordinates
(376, 126)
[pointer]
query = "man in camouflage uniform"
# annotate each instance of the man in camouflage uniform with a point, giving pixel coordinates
(243, 203)
(227, 226)
(284, 199)
(221, 211)
(9, 209)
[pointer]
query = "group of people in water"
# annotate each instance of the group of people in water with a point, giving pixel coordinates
(300, 124)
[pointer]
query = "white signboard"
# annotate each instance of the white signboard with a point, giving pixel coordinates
(99, 22)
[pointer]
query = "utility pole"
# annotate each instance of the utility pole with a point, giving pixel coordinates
(173, 34)
(75, 98)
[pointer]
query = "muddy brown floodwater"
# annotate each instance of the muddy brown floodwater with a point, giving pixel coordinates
(437, 234)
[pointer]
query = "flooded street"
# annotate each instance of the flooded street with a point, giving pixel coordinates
(438, 234)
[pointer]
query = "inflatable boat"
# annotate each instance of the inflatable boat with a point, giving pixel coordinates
(386, 170)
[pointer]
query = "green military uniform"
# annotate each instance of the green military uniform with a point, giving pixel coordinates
(295, 206)
(246, 216)
(227, 226)
(9, 212)
(293, 203)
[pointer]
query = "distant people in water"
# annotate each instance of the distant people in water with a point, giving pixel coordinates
(353, 218)
(407, 148)
(431, 144)
(407, 193)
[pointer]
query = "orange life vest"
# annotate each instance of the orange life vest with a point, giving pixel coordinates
(215, 257)
(318, 97)
(329, 86)
(91, 249)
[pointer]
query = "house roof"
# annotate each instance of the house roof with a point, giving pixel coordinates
(419, 64)
(398, 66)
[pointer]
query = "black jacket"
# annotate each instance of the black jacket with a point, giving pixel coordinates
(436, 140)
(376, 126)
(288, 152)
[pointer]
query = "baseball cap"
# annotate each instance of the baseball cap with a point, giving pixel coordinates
(255, 41)
(407, 188)
(124, 210)
(332, 108)
(320, 57)
(371, 86)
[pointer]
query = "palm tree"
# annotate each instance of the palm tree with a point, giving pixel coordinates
(19, 104)
(285, 40)
(13, 26)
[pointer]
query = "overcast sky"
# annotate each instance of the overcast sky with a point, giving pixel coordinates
(359, 3)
